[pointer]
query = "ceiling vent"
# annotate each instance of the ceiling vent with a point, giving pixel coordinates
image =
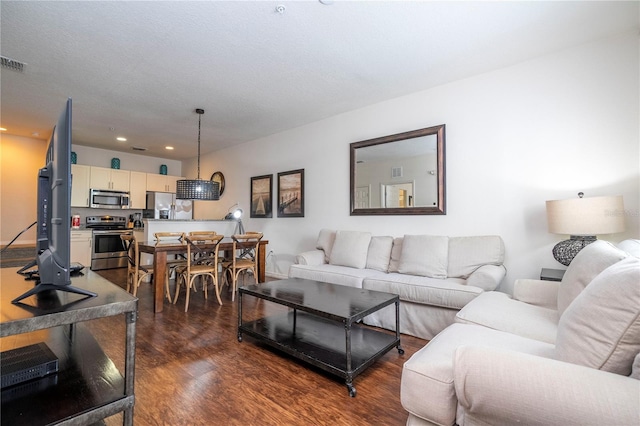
(138, 148)
(12, 64)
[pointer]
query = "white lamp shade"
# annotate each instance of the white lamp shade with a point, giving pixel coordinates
(586, 216)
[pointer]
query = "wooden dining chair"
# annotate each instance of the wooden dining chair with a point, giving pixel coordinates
(178, 260)
(200, 263)
(135, 271)
(244, 258)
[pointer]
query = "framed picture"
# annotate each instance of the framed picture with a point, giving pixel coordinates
(291, 193)
(261, 190)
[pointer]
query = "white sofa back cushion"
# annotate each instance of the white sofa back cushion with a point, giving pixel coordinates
(466, 254)
(326, 238)
(396, 252)
(350, 248)
(424, 255)
(601, 328)
(589, 262)
(379, 253)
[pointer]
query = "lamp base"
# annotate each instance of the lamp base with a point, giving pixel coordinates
(566, 250)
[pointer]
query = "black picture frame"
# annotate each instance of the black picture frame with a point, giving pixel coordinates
(261, 197)
(291, 193)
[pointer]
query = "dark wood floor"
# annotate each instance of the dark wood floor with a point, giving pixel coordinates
(191, 369)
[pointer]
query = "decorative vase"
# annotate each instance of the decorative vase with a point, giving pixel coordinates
(163, 169)
(74, 158)
(115, 163)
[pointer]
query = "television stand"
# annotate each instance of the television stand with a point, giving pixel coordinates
(46, 287)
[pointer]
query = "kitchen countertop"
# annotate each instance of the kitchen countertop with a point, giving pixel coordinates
(187, 220)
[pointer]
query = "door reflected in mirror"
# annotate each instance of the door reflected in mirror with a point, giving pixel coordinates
(399, 174)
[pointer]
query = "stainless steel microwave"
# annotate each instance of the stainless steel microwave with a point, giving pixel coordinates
(103, 199)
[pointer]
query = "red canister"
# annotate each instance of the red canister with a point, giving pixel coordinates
(75, 221)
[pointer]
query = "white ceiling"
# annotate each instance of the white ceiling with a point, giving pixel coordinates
(141, 68)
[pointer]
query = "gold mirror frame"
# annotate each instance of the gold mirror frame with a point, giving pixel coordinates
(440, 206)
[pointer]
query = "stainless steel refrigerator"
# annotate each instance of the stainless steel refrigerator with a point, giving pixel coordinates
(163, 205)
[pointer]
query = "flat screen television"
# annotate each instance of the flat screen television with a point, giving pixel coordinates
(53, 241)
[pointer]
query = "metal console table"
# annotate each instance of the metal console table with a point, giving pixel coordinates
(88, 387)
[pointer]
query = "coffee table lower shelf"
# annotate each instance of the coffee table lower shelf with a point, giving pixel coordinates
(323, 342)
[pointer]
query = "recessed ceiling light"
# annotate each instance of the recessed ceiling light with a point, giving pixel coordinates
(170, 148)
(121, 139)
(2, 129)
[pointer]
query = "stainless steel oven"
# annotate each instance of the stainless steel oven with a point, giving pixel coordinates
(107, 250)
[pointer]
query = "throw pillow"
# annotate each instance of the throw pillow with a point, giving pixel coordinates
(601, 328)
(350, 249)
(589, 262)
(379, 253)
(326, 237)
(396, 252)
(424, 255)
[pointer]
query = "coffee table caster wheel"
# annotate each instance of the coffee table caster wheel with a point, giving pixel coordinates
(239, 337)
(352, 391)
(401, 351)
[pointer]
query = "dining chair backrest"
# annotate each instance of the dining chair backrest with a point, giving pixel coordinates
(198, 255)
(130, 244)
(135, 271)
(169, 235)
(249, 240)
(201, 235)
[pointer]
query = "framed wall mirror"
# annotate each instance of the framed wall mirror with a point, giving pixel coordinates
(400, 174)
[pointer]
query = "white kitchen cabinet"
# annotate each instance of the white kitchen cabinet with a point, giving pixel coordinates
(113, 179)
(162, 183)
(137, 190)
(81, 247)
(80, 178)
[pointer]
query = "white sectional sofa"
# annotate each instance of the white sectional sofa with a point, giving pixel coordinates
(435, 276)
(564, 353)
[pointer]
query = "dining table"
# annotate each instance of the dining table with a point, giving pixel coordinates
(161, 249)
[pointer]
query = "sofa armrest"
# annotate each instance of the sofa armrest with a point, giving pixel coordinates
(311, 257)
(487, 277)
(498, 386)
(537, 292)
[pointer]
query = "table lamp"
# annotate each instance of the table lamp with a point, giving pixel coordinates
(582, 219)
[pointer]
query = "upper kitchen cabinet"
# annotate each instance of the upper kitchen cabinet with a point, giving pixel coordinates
(162, 183)
(80, 178)
(137, 190)
(113, 179)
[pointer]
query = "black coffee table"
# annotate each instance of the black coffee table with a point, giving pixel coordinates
(322, 328)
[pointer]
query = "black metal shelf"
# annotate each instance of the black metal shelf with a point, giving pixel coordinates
(321, 342)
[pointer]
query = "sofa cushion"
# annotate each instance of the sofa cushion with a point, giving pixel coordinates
(424, 255)
(635, 368)
(601, 328)
(350, 249)
(450, 293)
(589, 262)
(326, 238)
(631, 247)
(466, 254)
(497, 310)
(396, 252)
(343, 275)
(379, 253)
(427, 387)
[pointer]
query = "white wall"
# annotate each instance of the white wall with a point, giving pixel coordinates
(540, 130)
(89, 156)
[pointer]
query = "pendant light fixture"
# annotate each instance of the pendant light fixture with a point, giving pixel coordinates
(198, 189)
